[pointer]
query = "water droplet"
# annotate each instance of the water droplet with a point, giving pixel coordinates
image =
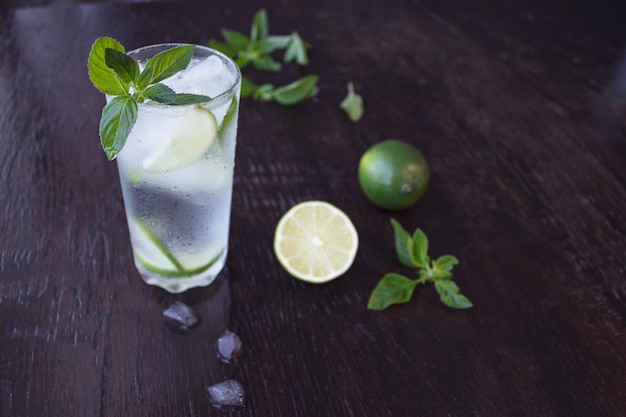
(181, 314)
(228, 346)
(227, 395)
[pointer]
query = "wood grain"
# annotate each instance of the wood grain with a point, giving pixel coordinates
(520, 110)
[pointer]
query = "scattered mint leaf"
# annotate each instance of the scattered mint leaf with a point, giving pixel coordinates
(104, 78)
(247, 87)
(412, 251)
(404, 245)
(420, 249)
(118, 119)
(297, 91)
(450, 295)
(293, 93)
(352, 104)
(273, 43)
(446, 262)
(256, 51)
(167, 63)
(223, 48)
(263, 92)
(259, 29)
(296, 50)
(266, 63)
(443, 265)
(236, 40)
(392, 289)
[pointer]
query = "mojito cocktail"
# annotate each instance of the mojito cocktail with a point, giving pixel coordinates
(176, 167)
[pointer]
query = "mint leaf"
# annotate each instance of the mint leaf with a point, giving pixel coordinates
(167, 63)
(296, 50)
(229, 117)
(103, 77)
(449, 294)
(412, 251)
(392, 289)
(236, 40)
(184, 99)
(404, 245)
(420, 249)
(352, 104)
(266, 63)
(273, 43)
(160, 93)
(446, 262)
(247, 87)
(118, 119)
(144, 78)
(259, 29)
(124, 66)
(442, 266)
(297, 91)
(223, 48)
(263, 92)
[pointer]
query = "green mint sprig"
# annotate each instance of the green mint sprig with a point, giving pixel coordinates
(116, 74)
(412, 251)
(256, 51)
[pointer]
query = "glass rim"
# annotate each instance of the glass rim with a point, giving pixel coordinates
(230, 91)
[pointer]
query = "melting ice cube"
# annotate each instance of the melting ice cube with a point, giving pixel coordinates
(208, 77)
(227, 395)
(228, 346)
(183, 315)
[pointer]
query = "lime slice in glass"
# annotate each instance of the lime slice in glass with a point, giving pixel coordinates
(195, 133)
(156, 257)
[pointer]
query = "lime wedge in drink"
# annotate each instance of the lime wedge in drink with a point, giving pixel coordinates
(195, 134)
(156, 257)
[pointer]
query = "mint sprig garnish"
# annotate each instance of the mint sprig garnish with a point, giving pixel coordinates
(256, 51)
(117, 74)
(412, 251)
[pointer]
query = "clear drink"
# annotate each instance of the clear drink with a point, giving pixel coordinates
(176, 172)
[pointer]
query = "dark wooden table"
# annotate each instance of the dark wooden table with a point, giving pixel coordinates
(520, 109)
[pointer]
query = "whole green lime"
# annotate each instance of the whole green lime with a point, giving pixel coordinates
(393, 174)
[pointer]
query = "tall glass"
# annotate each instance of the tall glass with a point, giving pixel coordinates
(176, 172)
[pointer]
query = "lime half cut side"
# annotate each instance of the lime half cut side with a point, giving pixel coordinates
(315, 241)
(194, 135)
(156, 257)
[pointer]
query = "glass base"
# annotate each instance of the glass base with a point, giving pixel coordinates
(181, 284)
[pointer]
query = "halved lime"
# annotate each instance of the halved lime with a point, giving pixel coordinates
(193, 137)
(315, 241)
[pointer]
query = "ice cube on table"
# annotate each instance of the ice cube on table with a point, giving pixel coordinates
(183, 315)
(227, 395)
(228, 346)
